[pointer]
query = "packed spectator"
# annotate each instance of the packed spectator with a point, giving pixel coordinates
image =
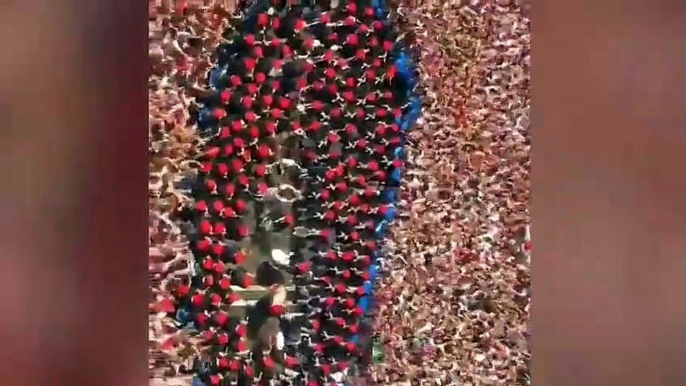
(453, 307)
(181, 50)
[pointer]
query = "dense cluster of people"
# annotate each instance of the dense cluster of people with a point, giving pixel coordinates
(322, 90)
(455, 305)
(181, 50)
(452, 306)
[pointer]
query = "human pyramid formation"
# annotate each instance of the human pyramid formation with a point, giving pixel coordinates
(312, 98)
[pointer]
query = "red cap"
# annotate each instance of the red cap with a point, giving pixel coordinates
(247, 102)
(223, 169)
(243, 231)
(270, 126)
(239, 257)
(228, 212)
(304, 267)
(219, 267)
(225, 96)
(205, 227)
(235, 365)
(201, 319)
(201, 206)
(241, 205)
(219, 113)
(326, 233)
(388, 46)
(242, 330)
(208, 264)
(215, 299)
(289, 219)
(262, 188)
(198, 300)
(237, 126)
(250, 117)
(326, 195)
(219, 228)
(264, 151)
(286, 51)
(315, 125)
(212, 152)
(232, 298)
(254, 131)
(221, 318)
(183, 290)
(277, 310)
(204, 245)
(262, 19)
(349, 255)
(352, 40)
(217, 205)
(326, 368)
(248, 280)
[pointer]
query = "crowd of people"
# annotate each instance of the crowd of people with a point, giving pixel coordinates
(453, 307)
(181, 50)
